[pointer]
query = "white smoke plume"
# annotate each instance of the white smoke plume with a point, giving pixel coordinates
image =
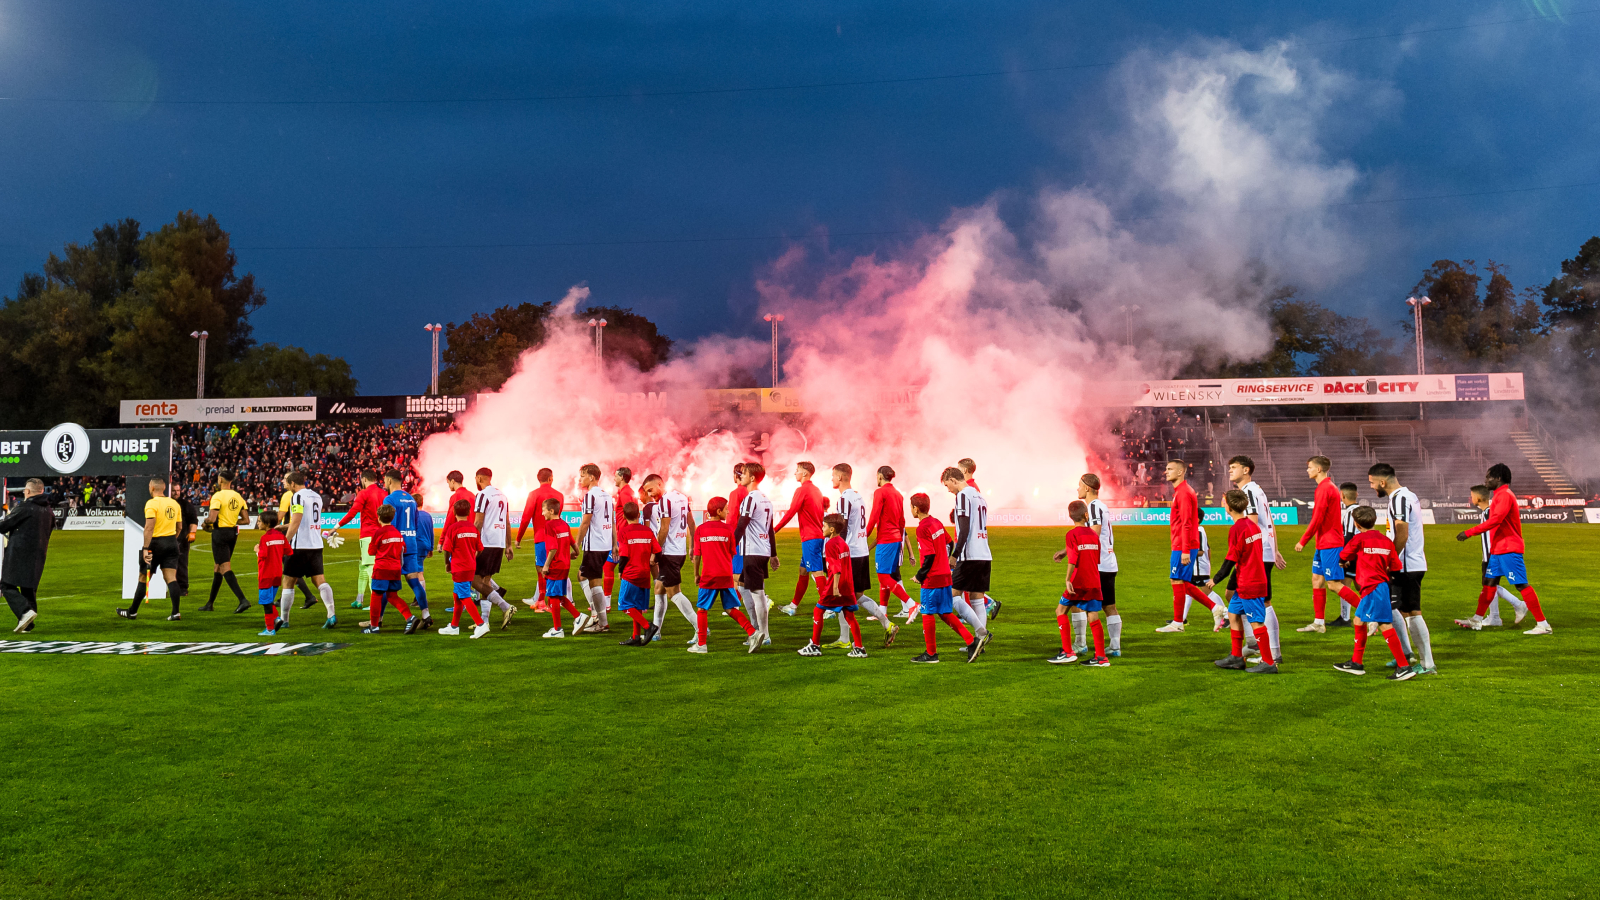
(981, 339)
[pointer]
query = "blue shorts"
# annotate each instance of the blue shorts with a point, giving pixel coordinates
(1326, 563)
(267, 596)
(937, 601)
(1088, 606)
(738, 565)
(887, 557)
(1253, 609)
(540, 554)
(1182, 571)
(1508, 565)
(728, 596)
(385, 585)
(463, 590)
(631, 596)
(811, 556)
(555, 587)
(843, 607)
(411, 564)
(1376, 605)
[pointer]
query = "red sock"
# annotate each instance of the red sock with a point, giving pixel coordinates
(954, 621)
(1064, 624)
(455, 612)
(1532, 599)
(855, 627)
(1319, 602)
(816, 625)
(1396, 648)
(822, 585)
(377, 609)
(272, 616)
(472, 610)
(1178, 593)
(744, 622)
(639, 624)
(700, 626)
(555, 612)
(1199, 595)
(1097, 628)
(1264, 641)
(405, 611)
(1360, 649)
(608, 577)
(1485, 597)
(1349, 596)
(929, 641)
(1237, 637)
(887, 585)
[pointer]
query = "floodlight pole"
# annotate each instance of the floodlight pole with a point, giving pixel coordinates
(433, 383)
(774, 318)
(200, 375)
(1416, 304)
(1127, 313)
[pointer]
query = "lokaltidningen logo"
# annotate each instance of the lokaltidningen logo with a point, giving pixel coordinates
(284, 408)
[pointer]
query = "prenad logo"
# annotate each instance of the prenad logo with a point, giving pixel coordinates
(167, 648)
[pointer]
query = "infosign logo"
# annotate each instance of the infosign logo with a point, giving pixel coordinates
(430, 404)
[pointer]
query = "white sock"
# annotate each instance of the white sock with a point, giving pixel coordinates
(844, 627)
(326, 590)
(1188, 601)
(1272, 633)
(1344, 610)
(1493, 616)
(495, 598)
(1114, 632)
(1419, 636)
(592, 596)
(484, 607)
(964, 611)
(285, 600)
(658, 609)
(1405, 635)
(759, 606)
(687, 608)
(981, 613)
(1080, 629)
(874, 610)
(1511, 598)
(1219, 601)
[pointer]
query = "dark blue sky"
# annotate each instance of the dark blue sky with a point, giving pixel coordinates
(386, 195)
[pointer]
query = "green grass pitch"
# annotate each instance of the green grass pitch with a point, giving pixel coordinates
(511, 766)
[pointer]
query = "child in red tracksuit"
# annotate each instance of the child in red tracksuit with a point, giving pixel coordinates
(837, 587)
(461, 543)
(388, 550)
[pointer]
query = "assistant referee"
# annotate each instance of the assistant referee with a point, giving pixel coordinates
(223, 523)
(162, 517)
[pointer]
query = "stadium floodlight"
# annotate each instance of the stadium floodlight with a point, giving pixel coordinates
(433, 383)
(774, 318)
(599, 338)
(200, 376)
(1416, 304)
(1127, 313)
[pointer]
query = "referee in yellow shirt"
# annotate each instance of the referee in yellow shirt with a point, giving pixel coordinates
(162, 517)
(227, 507)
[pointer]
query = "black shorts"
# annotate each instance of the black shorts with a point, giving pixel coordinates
(489, 560)
(303, 563)
(970, 576)
(669, 569)
(223, 541)
(1407, 593)
(1108, 588)
(755, 573)
(593, 564)
(861, 573)
(164, 553)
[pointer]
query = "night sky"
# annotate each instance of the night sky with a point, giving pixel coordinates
(363, 220)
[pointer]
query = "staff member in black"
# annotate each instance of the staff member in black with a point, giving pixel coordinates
(162, 516)
(188, 530)
(27, 529)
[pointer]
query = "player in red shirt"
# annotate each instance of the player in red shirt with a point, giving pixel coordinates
(461, 543)
(624, 495)
(365, 504)
(388, 550)
(458, 492)
(636, 553)
(810, 506)
(533, 512)
(1185, 529)
(1503, 524)
(1325, 533)
(1245, 573)
(888, 520)
(1082, 589)
(840, 593)
(270, 551)
(556, 537)
(933, 574)
(1373, 558)
(713, 566)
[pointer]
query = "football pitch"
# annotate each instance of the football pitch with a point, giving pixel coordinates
(426, 766)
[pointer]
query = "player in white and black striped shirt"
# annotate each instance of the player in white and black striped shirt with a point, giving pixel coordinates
(1099, 522)
(667, 514)
(1242, 475)
(1405, 531)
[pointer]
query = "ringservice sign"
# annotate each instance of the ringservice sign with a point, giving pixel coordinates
(1286, 391)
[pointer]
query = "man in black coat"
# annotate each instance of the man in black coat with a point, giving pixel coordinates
(27, 529)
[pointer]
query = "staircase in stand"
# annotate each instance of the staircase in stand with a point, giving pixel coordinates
(1547, 468)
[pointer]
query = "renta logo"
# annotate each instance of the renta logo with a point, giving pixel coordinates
(1370, 386)
(155, 409)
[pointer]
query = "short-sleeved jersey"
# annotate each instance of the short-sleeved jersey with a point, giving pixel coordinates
(283, 505)
(1347, 521)
(405, 518)
(1403, 508)
(809, 505)
(1372, 556)
(557, 540)
(1201, 555)
(854, 510)
(602, 515)
(1245, 545)
(1184, 518)
(461, 542)
(933, 541)
(888, 516)
(1083, 551)
(308, 504)
(836, 556)
(229, 506)
(972, 526)
(1099, 515)
(754, 537)
(636, 545)
(673, 509)
(388, 549)
(166, 513)
(713, 543)
(1256, 507)
(1325, 530)
(1483, 539)
(496, 511)
(270, 551)
(533, 510)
